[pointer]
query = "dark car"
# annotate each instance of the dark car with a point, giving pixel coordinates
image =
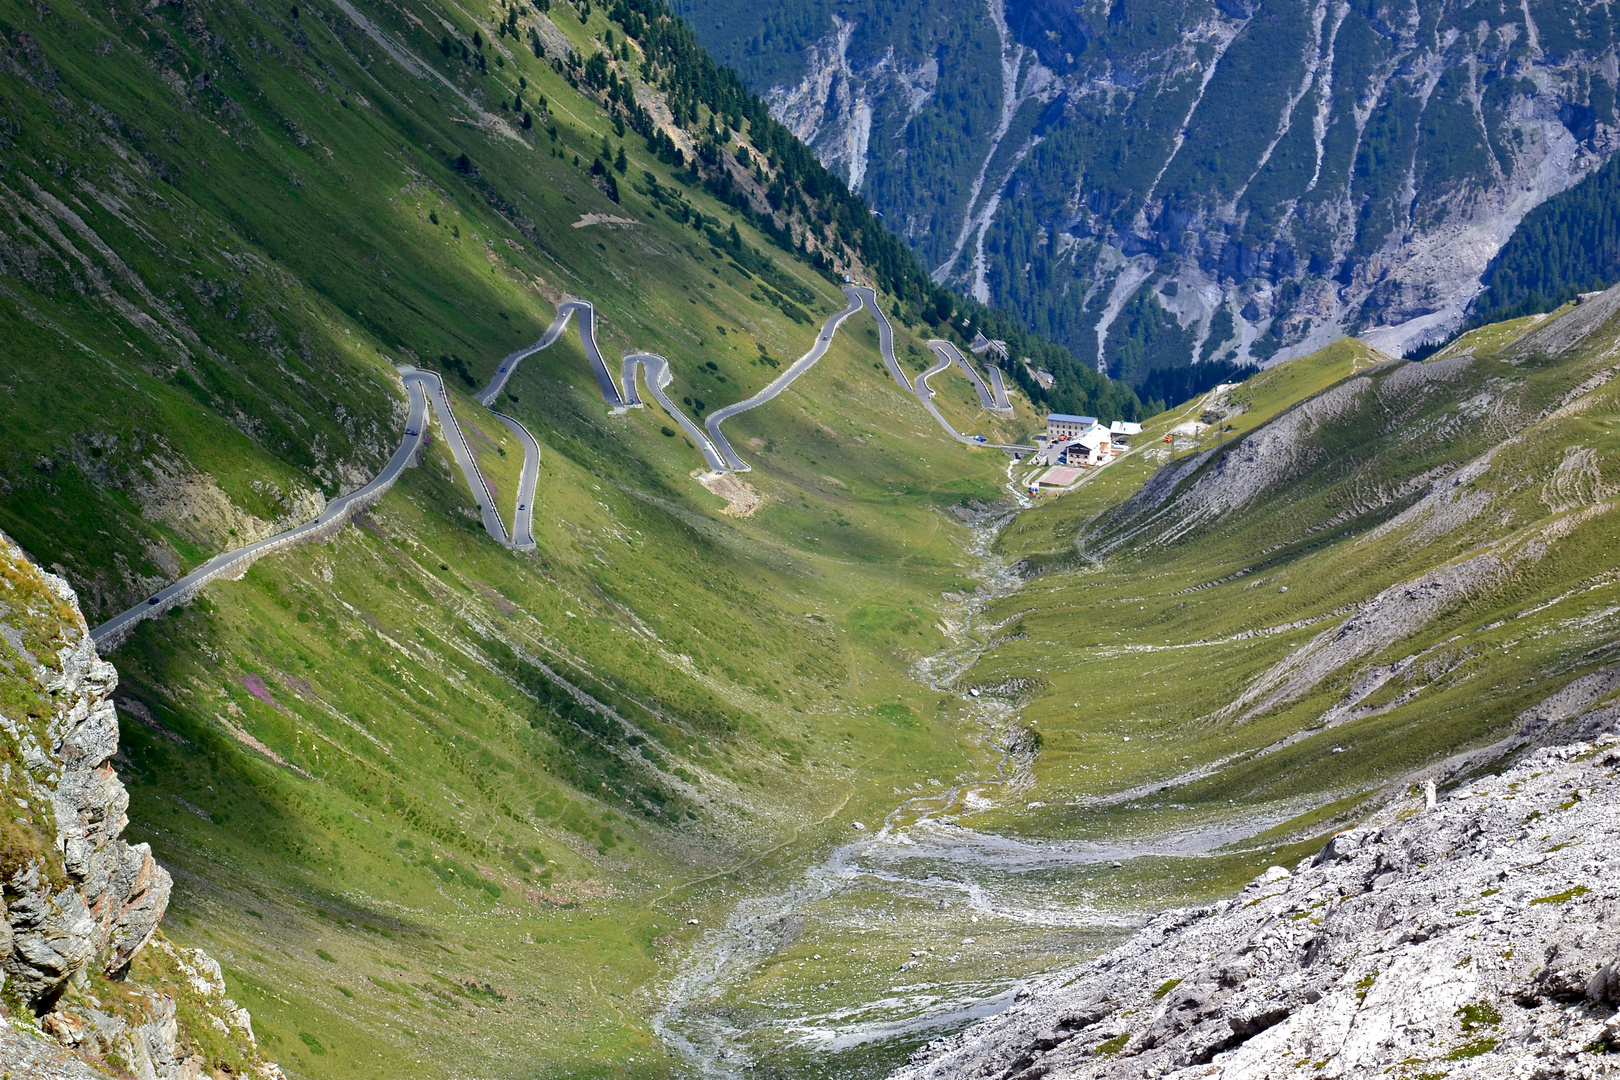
(152, 600)
(410, 431)
(522, 507)
(503, 370)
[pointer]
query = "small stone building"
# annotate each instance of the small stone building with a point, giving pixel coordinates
(1061, 427)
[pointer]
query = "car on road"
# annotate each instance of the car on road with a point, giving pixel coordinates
(980, 438)
(411, 432)
(522, 507)
(152, 600)
(503, 371)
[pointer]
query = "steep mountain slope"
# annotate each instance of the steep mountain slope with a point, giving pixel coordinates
(1568, 245)
(444, 807)
(1249, 179)
(1361, 574)
(1409, 563)
(436, 806)
(80, 942)
(1469, 938)
(1294, 598)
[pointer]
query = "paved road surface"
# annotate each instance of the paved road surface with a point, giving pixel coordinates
(461, 450)
(336, 513)
(523, 516)
(941, 362)
(655, 369)
(924, 395)
(587, 338)
(504, 370)
(868, 300)
(777, 385)
(951, 352)
(998, 387)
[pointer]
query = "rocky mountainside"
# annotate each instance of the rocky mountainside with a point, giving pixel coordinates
(1568, 245)
(1397, 572)
(1470, 936)
(78, 905)
(1164, 181)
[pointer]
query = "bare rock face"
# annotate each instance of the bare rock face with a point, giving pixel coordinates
(1257, 178)
(1480, 938)
(85, 895)
(78, 903)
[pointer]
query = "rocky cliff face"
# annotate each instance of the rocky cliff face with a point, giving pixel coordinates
(1476, 935)
(78, 903)
(1162, 181)
(833, 107)
(89, 896)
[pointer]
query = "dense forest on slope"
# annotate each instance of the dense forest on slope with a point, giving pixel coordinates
(690, 77)
(1568, 245)
(1309, 170)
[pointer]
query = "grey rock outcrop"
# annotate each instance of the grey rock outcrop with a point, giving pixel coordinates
(1480, 938)
(90, 897)
(148, 1042)
(1259, 178)
(78, 903)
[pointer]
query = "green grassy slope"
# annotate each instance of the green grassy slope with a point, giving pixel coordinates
(881, 958)
(1044, 535)
(1362, 573)
(440, 809)
(1189, 649)
(445, 810)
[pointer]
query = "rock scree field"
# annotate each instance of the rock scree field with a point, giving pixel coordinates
(568, 750)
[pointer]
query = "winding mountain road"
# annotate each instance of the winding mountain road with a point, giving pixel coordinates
(462, 451)
(946, 349)
(941, 363)
(508, 365)
(426, 390)
(868, 299)
(523, 516)
(587, 338)
(777, 385)
(333, 517)
(998, 386)
(921, 390)
(655, 369)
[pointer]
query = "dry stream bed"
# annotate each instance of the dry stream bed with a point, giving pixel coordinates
(920, 924)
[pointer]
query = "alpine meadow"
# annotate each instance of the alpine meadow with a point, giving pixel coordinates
(1027, 540)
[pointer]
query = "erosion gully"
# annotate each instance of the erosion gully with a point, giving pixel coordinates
(914, 927)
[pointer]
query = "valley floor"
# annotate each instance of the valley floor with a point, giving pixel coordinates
(1281, 724)
(781, 772)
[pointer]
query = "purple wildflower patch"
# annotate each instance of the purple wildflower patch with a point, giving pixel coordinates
(256, 687)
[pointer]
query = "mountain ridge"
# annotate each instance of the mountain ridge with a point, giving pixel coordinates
(1273, 175)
